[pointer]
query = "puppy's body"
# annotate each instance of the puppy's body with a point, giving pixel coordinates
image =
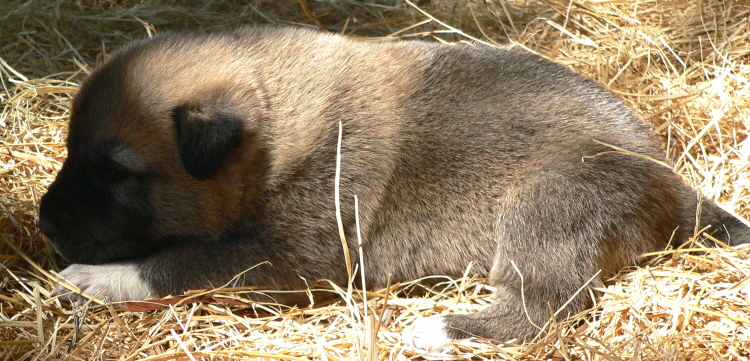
(193, 157)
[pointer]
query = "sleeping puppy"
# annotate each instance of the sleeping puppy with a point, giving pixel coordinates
(193, 157)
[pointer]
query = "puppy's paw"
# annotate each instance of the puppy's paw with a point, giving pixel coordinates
(112, 282)
(427, 335)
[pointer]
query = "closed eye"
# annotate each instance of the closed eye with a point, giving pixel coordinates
(114, 173)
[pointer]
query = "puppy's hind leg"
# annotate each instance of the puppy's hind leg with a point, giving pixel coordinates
(560, 227)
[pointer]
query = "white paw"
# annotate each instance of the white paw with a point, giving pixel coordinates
(427, 335)
(113, 282)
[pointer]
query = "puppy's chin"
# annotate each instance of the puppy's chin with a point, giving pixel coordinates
(56, 248)
(71, 254)
(93, 253)
(82, 257)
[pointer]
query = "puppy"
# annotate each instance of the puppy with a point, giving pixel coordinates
(193, 157)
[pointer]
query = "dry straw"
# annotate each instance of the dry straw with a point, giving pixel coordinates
(681, 64)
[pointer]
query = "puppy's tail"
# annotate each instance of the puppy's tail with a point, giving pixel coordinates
(698, 213)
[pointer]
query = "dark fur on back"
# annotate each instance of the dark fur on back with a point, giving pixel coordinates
(220, 151)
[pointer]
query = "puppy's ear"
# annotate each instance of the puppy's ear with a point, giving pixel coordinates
(205, 138)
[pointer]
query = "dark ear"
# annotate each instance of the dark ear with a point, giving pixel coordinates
(205, 138)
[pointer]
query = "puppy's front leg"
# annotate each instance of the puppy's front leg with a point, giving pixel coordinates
(197, 265)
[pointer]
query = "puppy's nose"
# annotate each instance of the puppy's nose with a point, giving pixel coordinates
(47, 227)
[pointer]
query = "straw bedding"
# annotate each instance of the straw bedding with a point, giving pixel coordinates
(682, 64)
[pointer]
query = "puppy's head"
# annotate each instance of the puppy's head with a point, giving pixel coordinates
(162, 148)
